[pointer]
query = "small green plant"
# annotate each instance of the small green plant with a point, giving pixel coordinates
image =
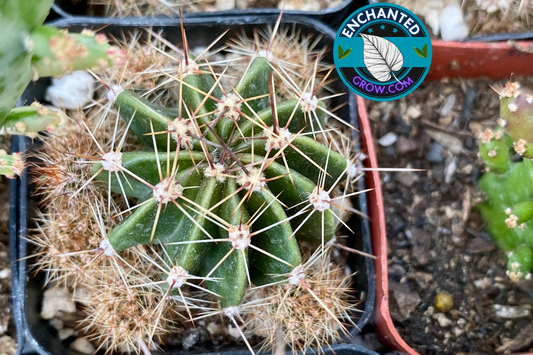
(508, 210)
(31, 50)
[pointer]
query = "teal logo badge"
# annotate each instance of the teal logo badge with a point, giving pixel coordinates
(382, 52)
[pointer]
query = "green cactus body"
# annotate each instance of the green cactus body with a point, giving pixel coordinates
(30, 120)
(233, 202)
(508, 209)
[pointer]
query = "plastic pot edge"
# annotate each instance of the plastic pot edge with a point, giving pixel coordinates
(332, 16)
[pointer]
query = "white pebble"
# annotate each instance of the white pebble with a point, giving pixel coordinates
(57, 300)
(72, 91)
(388, 139)
(452, 24)
(83, 345)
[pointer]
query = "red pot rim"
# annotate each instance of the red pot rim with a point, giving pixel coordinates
(450, 59)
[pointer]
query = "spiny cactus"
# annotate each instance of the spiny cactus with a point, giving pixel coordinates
(31, 50)
(225, 167)
(508, 210)
(228, 191)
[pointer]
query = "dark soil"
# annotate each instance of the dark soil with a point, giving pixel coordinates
(436, 238)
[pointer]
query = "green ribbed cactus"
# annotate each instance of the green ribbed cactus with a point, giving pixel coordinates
(29, 50)
(508, 185)
(229, 181)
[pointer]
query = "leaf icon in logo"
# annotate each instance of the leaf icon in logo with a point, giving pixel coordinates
(341, 52)
(423, 53)
(381, 57)
(348, 51)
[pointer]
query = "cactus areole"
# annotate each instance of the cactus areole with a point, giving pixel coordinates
(228, 183)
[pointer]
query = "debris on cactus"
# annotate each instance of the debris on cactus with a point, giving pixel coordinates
(180, 199)
(508, 209)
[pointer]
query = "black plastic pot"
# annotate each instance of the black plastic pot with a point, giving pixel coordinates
(333, 16)
(36, 334)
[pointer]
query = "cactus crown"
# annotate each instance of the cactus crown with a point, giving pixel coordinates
(227, 203)
(508, 210)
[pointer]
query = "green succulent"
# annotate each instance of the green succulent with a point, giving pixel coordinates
(508, 209)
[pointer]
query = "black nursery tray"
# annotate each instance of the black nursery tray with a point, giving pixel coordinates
(333, 16)
(36, 335)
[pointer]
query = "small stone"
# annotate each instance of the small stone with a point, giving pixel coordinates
(442, 320)
(423, 279)
(66, 333)
(8, 346)
(413, 112)
(4, 274)
(461, 322)
(82, 345)
(457, 331)
(213, 328)
(405, 145)
(406, 299)
(190, 340)
(453, 144)
(434, 155)
(407, 178)
(448, 105)
(388, 139)
(510, 312)
(449, 171)
(55, 301)
(429, 312)
(234, 332)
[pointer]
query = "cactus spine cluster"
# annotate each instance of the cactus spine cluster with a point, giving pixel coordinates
(31, 50)
(508, 209)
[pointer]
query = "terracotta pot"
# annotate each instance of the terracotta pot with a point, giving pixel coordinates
(450, 59)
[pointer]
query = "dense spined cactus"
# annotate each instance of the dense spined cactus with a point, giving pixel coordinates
(30, 50)
(222, 205)
(508, 185)
(231, 184)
